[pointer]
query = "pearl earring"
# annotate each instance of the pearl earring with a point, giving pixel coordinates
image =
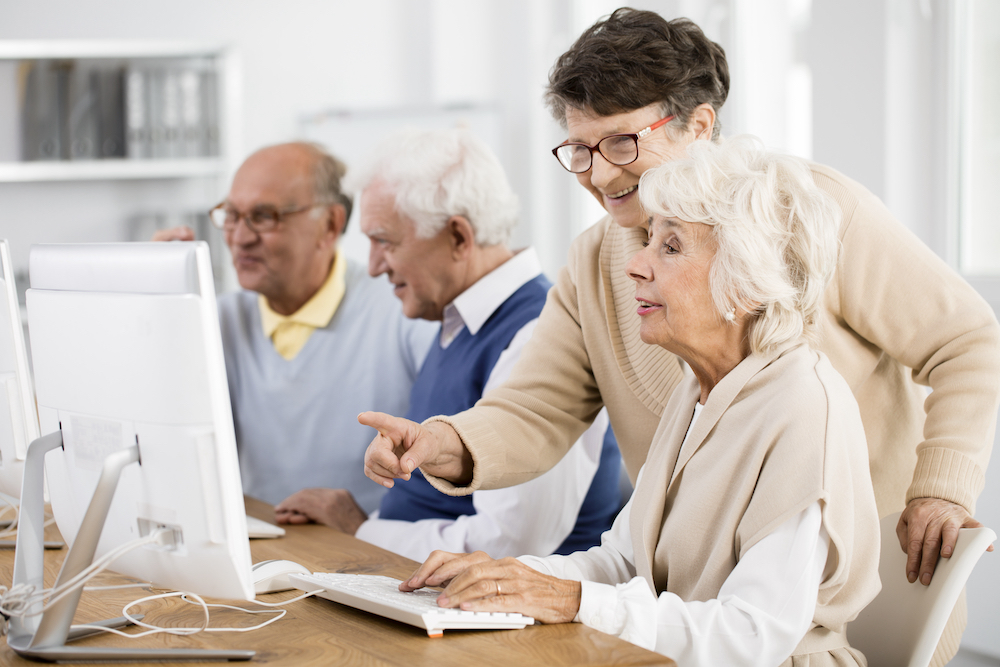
(731, 315)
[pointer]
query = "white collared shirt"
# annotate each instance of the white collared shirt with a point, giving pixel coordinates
(507, 521)
(474, 306)
(763, 609)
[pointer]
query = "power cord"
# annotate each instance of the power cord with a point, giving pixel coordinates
(194, 599)
(17, 600)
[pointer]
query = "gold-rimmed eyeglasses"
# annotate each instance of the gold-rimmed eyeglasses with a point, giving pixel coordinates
(260, 219)
(618, 149)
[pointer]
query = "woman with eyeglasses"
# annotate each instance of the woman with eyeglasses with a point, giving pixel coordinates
(762, 443)
(633, 92)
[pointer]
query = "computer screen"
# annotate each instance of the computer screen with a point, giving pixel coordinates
(18, 419)
(126, 350)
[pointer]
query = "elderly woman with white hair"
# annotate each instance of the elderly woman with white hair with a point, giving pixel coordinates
(752, 535)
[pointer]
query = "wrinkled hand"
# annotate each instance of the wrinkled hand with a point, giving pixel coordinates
(402, 446)
(476, 582)
(333, 507)
(927, 528)
(174, 234)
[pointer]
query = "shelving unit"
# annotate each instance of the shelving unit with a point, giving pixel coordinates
(109, 169)
(103, 199)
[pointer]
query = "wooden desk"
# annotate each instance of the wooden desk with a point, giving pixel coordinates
(320, 632)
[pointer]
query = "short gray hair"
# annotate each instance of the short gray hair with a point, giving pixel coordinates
(437, 174)
(328, 173)
(775, 230)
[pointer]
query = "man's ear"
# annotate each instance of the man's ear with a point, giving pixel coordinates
(702, 121)
(336, 221)
(461, 235)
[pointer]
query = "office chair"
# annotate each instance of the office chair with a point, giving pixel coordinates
(902, 625)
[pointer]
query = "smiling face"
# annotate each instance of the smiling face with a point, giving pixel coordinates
(289, 263)
(422, 271)
(616, 187)
(672, 288)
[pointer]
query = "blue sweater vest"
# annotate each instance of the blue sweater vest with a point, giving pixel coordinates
(452, 380)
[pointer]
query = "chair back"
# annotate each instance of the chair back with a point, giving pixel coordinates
(903, 624)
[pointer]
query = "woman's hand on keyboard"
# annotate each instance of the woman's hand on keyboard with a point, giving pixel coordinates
(476, 582)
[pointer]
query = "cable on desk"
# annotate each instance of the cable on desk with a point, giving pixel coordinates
(16, 600)
(9, 503)
(191, 598)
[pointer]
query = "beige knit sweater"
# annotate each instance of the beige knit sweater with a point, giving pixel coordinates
(778, 433)
(895, 317)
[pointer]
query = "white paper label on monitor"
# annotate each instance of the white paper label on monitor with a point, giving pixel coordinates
(94, 440)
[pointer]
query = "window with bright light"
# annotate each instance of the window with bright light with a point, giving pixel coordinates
(977, 51)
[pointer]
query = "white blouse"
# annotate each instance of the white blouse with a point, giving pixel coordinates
(764, 608)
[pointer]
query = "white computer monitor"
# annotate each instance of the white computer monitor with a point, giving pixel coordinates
(128, 362)
(18, 419)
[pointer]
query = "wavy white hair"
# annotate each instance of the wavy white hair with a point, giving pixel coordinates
(775, 230)
(437, 174)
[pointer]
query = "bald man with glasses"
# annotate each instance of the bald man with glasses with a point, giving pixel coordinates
(312, 340)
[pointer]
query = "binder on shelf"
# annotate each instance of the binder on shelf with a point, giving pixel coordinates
(93, 108)
(154, 113)
(111, 111)
(210, 118)
(83, 119)
(138, 138)
(43, 110)
(10, 117)
(192, 112)
(170, 115)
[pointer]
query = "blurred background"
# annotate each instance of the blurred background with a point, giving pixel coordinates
(118, 117)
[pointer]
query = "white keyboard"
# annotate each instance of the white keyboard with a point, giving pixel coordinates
(381, 595)
(258, 528)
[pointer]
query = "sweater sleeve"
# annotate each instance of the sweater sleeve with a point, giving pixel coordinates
(521, 429)
(898, 295)
(763, 609)
(505, 522)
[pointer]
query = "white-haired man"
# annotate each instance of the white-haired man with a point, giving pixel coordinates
(312, 340)
(438, 210)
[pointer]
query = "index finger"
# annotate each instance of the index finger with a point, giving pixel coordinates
(402, 436)
(428, 568)
(382, 463)
(394, 428)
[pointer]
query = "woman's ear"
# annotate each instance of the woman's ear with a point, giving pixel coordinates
(702, 121)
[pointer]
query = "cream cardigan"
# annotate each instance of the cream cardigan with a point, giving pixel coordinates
(895, 316)
(750, 463)
(779, 434)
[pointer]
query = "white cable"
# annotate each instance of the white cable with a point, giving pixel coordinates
(12, 504)
(284, 602)
(15, 601)
(100, 565)
(90, 589)
(190, 598)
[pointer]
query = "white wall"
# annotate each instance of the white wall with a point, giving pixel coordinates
(305, 57)
(857, 84)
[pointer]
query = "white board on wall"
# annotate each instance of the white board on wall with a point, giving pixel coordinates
(352, 135)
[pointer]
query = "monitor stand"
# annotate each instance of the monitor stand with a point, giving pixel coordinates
(45, 638)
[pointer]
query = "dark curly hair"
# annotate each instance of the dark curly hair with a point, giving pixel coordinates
(635, 58)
